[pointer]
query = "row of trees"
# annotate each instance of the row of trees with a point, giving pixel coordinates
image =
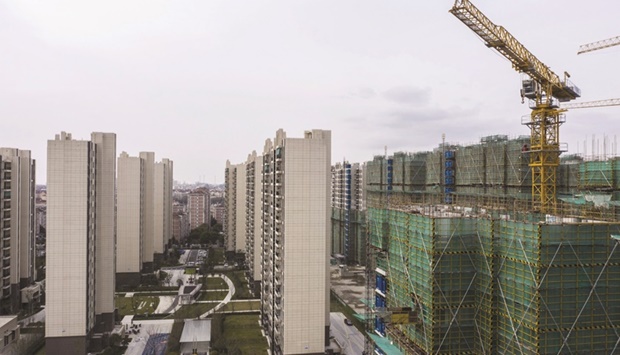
(207, 234)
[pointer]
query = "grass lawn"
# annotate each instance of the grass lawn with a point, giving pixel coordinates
(190, 271)
(162, 293)
(241, 285)
(215, 283)
(193, 310)
(241, 306)
(218, 256)
(244, 330)
(143, 304)
(212, 295)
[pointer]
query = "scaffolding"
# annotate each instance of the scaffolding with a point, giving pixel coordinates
(486, 284)
(483, 273)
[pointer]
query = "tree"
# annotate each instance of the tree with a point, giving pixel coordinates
(162, 277)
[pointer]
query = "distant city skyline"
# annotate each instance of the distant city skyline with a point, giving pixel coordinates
(201, 82)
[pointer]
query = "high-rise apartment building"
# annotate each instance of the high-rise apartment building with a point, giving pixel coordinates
(17, 226)
(81, 179)
(348, 212)
(180, 225)
(198, 207)
(295, 236)
(162, 199)
(234, 201)
(218, 212)
(130, 226)
(148, 228)
(105, 192)
(253, 241)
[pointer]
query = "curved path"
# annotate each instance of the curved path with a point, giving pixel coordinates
(231, 293)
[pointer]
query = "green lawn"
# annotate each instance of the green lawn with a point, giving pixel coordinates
(154, 294)
(193, 310)
(218, 256)
(212, 295)
(215, 283)
(190, 270)
(142, 304)
(244, 330)
(253, 305)
(241, 286)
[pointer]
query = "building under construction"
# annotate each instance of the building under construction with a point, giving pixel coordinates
(460, 264)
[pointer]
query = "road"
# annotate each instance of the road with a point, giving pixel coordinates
(349, 338)
(192, 257)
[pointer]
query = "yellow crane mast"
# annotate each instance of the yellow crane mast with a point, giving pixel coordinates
(543, 88)
(610, 42)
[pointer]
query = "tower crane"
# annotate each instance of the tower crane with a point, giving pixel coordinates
(590, 104)
(610, 42)
(542, 87)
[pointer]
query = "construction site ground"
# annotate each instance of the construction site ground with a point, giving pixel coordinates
(349, 284)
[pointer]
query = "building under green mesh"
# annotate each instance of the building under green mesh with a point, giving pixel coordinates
(357, 234)
(482, 274)
(487, 285)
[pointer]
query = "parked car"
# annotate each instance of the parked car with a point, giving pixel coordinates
(347, 321)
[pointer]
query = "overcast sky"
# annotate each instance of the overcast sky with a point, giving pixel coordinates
(202, 81)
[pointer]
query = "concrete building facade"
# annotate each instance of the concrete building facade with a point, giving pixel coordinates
(105, 243)
(238, 243)
(253, 237)
(148, 227)
(232, 175)
(81, 179)
(17, 225)
(130, 209)
(198, 207)
(218, 212)
(180, 225)
(295, 236)
(162, 199)
(348, 216)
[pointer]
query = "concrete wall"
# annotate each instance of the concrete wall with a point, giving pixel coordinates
(130, 209)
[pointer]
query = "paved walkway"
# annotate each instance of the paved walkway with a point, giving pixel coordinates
(165, 303)
(231, 293)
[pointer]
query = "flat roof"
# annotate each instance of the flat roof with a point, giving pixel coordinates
(4, 320)
(196, 330)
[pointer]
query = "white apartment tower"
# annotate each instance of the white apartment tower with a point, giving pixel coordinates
(17, 228)
(81, 179)
(253, 196)
(234, 202)
(162, 199)
(148, 227)
(295, 236)
(130, 227)
(198, 205)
